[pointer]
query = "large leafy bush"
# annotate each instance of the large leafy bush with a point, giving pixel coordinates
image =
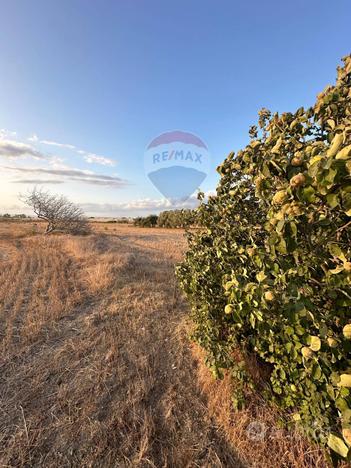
(270, 271)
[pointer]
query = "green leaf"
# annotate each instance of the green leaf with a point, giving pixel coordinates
(333, 200)
(308, 194)
(335, 250)
(338, 445)
(281, 247)
(345, 153)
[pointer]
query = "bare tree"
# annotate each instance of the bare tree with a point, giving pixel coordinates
(59, 213)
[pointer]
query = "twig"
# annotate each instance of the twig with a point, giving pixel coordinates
(343, 227)
(25, 424)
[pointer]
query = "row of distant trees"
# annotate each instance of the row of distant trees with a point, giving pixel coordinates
(15, 216)
(167, 219)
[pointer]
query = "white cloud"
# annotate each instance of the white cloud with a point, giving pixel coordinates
(37, 181)
(94, 158)
(75, 175)
(90, 158)
(13, 149)
(55, 143)
(7, 133)
(34, 138)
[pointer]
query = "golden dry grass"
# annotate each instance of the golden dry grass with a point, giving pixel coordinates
(96, 368)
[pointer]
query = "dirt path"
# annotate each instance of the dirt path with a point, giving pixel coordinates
(108, 379)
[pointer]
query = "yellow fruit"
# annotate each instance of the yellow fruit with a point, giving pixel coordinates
(269, 296)
(228, 309)
(347, 331)
(346, 432)
(332, 342)
(307, 353)
(280, 197)
(250, 251)
(296, 161)
(298, 180)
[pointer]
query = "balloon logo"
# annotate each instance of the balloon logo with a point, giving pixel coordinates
(177, 163)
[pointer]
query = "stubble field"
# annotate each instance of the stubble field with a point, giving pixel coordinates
(96, 367)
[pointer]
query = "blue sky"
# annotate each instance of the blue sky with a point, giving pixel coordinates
(86, 85)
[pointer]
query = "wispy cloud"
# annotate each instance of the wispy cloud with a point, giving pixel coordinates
(13, 149)
(96, 159)
(37, 181)
(77, 175)
(60, 145)
(4, 133)
(89, 157)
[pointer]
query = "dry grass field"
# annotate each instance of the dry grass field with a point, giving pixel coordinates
(96, 368)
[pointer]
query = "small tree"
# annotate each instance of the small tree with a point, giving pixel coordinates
(59, 213)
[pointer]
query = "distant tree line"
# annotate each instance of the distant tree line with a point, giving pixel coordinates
(15, 216)
(167, 219)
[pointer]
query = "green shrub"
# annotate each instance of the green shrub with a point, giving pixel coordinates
(147, 221)
(175, 218)
(270, 271)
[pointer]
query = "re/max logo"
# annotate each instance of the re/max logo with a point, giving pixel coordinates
(177, 156)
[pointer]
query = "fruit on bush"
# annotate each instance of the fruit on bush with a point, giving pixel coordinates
(346, 432)
(269, 296)
(347, 331)
(250, 251)
(228, 309)
(297, 160)
(332, 342)
(298, 180)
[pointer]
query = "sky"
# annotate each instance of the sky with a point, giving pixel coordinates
(85, 86)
